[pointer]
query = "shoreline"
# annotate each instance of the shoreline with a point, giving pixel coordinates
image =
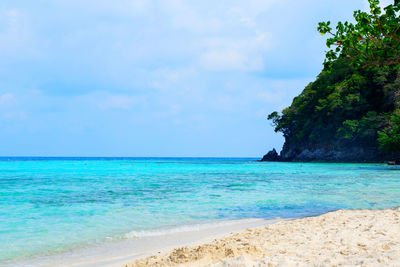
(343, 237)
(139, 244)
(173, 193)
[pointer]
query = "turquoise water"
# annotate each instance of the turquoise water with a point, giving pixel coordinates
(52, 205)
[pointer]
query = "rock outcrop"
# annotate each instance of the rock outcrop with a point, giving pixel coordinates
(332, 153)
(271, 156)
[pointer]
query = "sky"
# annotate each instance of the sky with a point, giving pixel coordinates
(142, 78)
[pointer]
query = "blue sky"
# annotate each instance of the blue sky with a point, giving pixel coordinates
(154, 78)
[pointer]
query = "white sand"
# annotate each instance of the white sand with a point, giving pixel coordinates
(117, 253)
(341, 238)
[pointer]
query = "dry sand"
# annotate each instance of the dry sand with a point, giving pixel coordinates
(341, 238)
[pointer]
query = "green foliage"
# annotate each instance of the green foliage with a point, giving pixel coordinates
(349, 129)
(389, 137)
(274, 116)
(374, 40)
(363, 129)
(344, 104)
(355, 100)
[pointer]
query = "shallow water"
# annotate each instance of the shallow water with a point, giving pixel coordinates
(53, 205)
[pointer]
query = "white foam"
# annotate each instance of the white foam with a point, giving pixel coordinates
(142, 243)
(188, 228)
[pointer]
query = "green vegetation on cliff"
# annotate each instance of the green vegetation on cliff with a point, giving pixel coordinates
(355, 100)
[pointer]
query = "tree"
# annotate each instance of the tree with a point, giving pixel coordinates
(355, 99)
(389, 138)
(374, 40)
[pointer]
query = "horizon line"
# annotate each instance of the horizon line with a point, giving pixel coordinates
(136, 157)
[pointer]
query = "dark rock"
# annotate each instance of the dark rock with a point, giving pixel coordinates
(271, 156)
(334, 152)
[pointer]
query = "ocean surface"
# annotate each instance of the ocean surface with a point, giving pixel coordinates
(51, 205)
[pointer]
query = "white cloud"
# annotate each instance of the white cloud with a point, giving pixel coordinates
(7, 99)
(119, 7)
(10, 107)
(169, 77)
(271, 96)
(135, 67)
(15, 35)
(15, 115)
(229, 60)
(279, 93)
(227, 36)
(231, 54)
(107, 101)
(118, 102)
(104, 101)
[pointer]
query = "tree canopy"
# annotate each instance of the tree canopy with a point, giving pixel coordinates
(389, 137)
(374, 40)
(355, 100)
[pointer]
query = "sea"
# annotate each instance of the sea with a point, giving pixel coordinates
(52, 205)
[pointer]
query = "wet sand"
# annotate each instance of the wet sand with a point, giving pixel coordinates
(118, 252)
(340, 238)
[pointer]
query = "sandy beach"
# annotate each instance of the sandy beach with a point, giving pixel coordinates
(340, 238)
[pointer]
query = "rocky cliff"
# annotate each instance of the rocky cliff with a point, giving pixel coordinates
(338, 117)
(325, 154)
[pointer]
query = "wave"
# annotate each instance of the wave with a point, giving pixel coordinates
(189, 228)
